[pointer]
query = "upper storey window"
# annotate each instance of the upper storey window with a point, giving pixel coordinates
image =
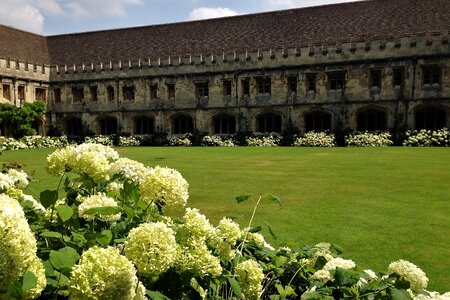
(78, 94)
(6, 91)
(375, 78)
(128, 93)
(264, 85)
(311, 82)
(245, 87)
(292, 84)
(153, 91)
(21, 92)
(41, 95)
(201, 89)
(336, 80)
(227, 88)
(431, 74)
(93, 89)
(110, 93)
(57, 95)
(170, 91)
(398, 76)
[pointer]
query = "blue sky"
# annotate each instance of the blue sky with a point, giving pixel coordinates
(50, 17)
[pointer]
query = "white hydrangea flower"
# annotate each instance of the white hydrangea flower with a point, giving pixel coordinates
(17, 242)
(37, 268)
(198, 259)
(131, 169)
(165, 186)
(339, 262)
(95, 201)
(228, 230)
(88, 158)
(152, 248)
(6, 181)
(196, 225)
(103, 274)
(410, 272)
(323, 276)
(250, 276)
(20, 178)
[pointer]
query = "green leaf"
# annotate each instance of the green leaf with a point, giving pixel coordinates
(274, 199)
(156, 295)
(243, 198)
(346, 277)
(65, 212)
(272, 233)
(48, 198)
(255, 229)
(64, 258)
(104, 238)
(104, 211)
(51, 234)
(235, 287)
(29, 281)
(399, 294)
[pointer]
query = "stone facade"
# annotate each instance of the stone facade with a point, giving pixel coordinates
(364, 84)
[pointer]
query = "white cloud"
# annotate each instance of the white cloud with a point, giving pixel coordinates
(209, 12)
(20, 14)
(285, 4)
(30, 14)
(80, 9)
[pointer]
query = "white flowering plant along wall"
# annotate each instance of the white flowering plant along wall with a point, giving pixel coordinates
(107, 232)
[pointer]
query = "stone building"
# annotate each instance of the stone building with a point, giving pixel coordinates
(370, 65)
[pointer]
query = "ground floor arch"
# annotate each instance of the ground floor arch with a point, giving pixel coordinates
(371, 119)
(431, 118)
(317, 121)
(224, 124)
(268, 122)
(182, 124)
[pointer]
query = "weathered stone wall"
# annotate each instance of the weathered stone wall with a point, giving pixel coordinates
(355, 59)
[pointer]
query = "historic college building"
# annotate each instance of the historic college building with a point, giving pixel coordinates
(370, 65)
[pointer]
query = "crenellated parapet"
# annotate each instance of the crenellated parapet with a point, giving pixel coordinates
(427, 46)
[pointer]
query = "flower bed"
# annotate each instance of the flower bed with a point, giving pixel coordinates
(369, 139)
(425, 137)
(258, 139)
(217, 140)
(315, 139)
(109, 231)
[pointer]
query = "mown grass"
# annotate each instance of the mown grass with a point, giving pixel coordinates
(379, 204)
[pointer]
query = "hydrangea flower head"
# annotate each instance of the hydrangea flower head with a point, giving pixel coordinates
(95, 201)
(151, 247)
(410, 272)
(165, 186)
(250, 276)
(103, 274)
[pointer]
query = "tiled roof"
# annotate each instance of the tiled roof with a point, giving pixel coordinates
(375, 19)
(22, 45)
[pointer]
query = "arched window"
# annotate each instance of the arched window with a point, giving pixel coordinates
(224, 124)
(317, 121)
(182, 124)
(108, 126)
(371, 120)
(73, 127)
(431, 118)
(268, 122)
(144, 125)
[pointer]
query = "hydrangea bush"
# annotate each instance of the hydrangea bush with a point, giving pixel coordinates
(425, 137)
(116, 229)
(369, 139)
(217, 140)
(316, 139)
(258, 139)
(181, 140)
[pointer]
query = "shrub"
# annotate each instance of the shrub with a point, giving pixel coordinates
(258, 139)
(316, 139)
(181, 140)
(425, 137)
(217, 140)
(369, 139)
(106, 233)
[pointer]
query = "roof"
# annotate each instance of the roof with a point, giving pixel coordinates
(22, 45)
(365, 20)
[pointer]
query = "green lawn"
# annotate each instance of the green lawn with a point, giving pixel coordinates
(379, 204)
